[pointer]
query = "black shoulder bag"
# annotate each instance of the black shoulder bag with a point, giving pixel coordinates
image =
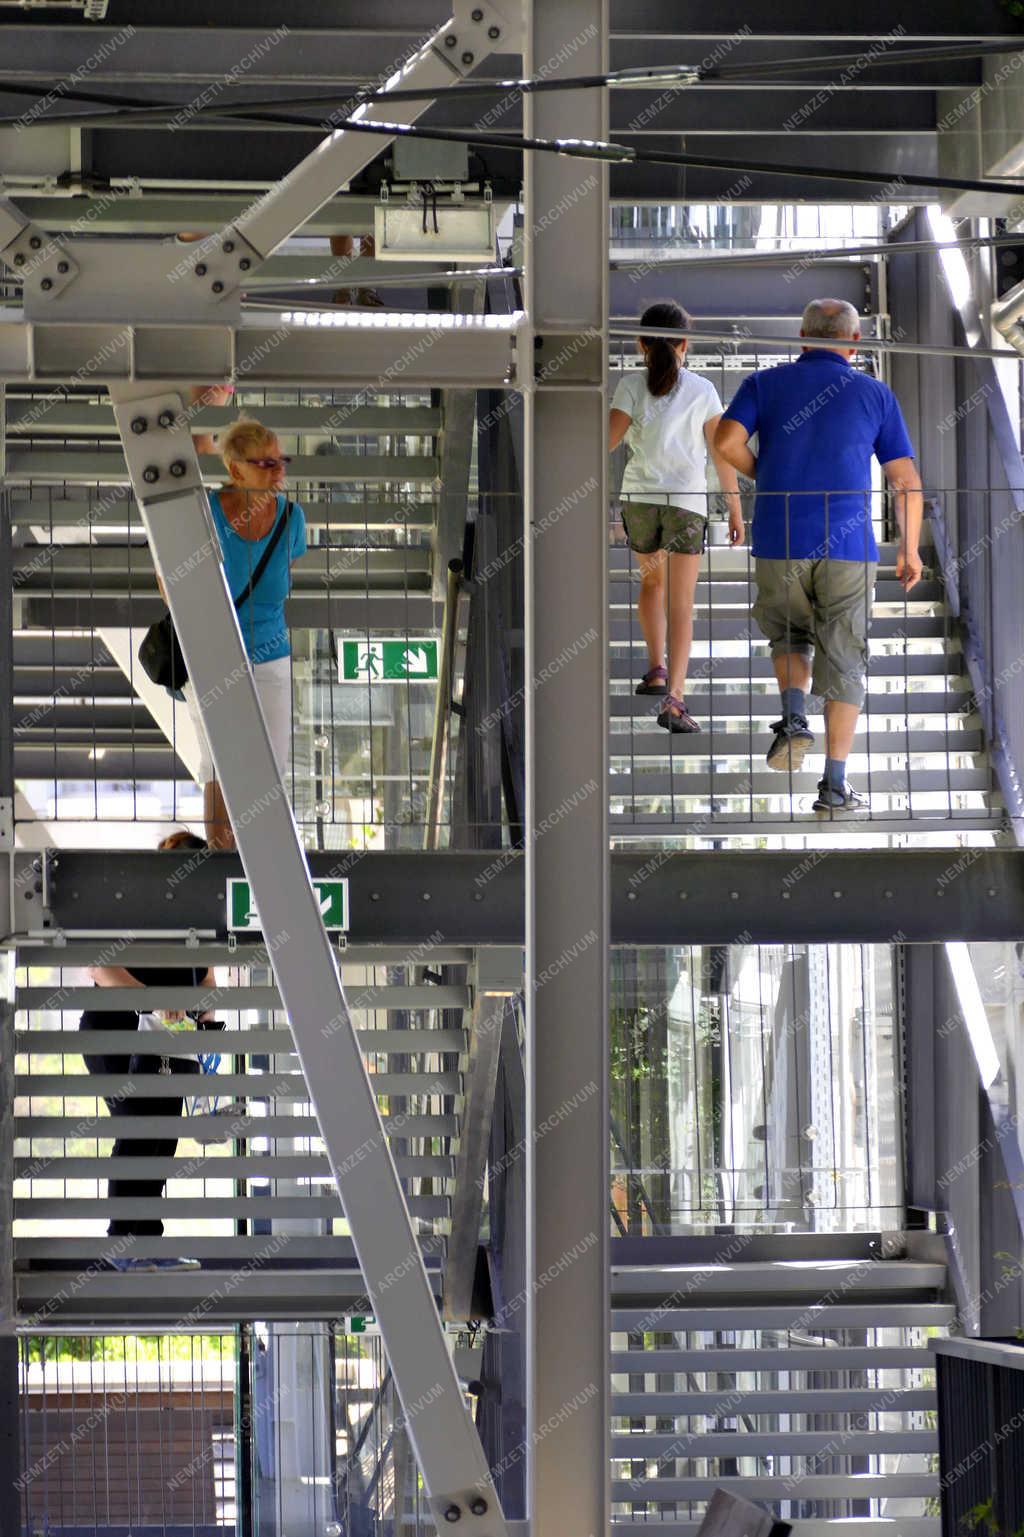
(160, 653)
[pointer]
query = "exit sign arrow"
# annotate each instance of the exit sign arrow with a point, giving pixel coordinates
(332, 896)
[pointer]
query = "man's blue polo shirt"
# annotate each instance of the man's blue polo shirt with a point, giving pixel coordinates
(818, 421)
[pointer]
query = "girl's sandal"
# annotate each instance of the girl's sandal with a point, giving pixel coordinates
(675, 717)
(653, 682)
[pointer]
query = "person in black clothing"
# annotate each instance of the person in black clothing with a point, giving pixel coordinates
(137, 1062)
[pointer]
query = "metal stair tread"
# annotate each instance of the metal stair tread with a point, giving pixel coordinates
(780, 1277)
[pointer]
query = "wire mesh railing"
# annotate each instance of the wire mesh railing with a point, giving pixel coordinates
(732, 629)
(97, 746)
(162, 1120)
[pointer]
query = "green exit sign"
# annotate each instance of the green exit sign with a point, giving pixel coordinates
(242, 915)
(387, 661)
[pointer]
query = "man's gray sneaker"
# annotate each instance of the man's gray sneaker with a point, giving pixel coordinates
(833, 804)
(176, 1264)
(792, 739)
(128, 1264)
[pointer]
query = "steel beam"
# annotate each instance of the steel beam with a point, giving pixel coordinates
(165, 474)
(658, 897)
(263, 350)
(566, 858)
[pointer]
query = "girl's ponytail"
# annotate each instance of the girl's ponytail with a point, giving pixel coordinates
(660, 351)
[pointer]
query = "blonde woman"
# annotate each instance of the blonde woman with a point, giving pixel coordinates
(247, 513)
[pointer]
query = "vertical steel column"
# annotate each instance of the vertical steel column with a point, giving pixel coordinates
(567, 933)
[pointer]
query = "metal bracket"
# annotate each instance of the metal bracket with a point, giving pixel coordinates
(221, 262)
(158, 450)
(6, 822)
(569, 358)
(42, 262)
(480, 27)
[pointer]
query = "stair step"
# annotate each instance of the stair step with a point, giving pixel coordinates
(842, 1402)
(850, 1278)
(116, 999)
(49, 508)
(626, 826)
(806, 1487)
(737, 590)
(250, 1086)
(626, 632)
(172, 1208)
(375, 1043)
(763, 705)
(659, 743)
(697, 1444)
(766, 1358)
(766, 782)
(878, 1526)
(277, 1128)
(106, 467)
(231, 1246)
(69, 417)
(757, 664)
(811, 1317)
(261, 1291)
(255, 1166)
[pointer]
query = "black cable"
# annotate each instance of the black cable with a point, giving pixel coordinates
(615, 153)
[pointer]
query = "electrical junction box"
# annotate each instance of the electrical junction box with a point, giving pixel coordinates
(429, 160)
(435, 231)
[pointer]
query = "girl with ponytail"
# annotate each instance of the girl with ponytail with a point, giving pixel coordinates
(668, 417)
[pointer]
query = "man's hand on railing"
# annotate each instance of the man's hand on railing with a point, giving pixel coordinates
(908, 568)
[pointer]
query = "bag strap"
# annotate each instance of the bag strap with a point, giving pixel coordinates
(261, 565)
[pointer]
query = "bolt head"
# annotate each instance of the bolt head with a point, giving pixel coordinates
(150, 474)
(453, 1514)
(35, 242)
(478, 1506)
(178, 468)
(467, 57)
(218, 287)
(477, 14)
(139, 425)
(62, 267)
(200, 269)
(228, 247)
(19, 259)
(450, 41)
(244, 264)
(493, 33)
(46, 285)
(166, 419)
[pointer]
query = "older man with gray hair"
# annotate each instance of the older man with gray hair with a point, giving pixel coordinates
(818, 423)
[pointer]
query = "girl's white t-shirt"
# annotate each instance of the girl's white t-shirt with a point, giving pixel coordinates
(667, 447)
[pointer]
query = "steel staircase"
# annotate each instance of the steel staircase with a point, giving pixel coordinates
(805, 1385)
(250, 1191)
(920, 752)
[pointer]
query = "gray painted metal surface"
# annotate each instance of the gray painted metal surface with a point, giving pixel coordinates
(567, 883)
(659, 897)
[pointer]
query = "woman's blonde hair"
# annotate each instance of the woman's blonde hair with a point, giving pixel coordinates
(242, 437)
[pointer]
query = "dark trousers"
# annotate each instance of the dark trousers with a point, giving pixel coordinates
(139, 1147)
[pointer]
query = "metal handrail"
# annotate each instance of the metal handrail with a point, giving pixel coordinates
(442, 708)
